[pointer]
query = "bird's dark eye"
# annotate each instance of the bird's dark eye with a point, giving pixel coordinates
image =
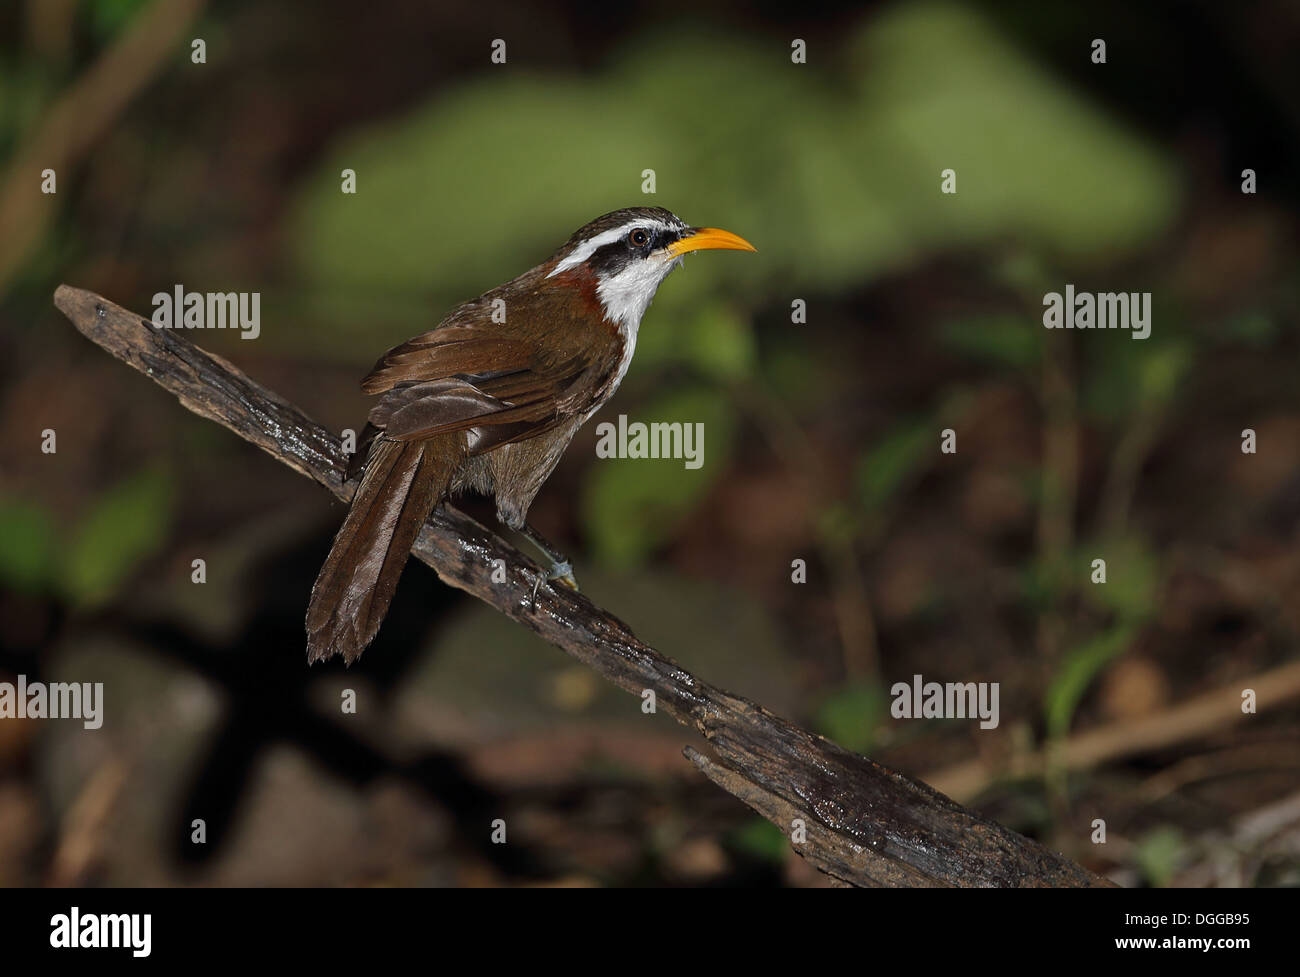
(638, 238)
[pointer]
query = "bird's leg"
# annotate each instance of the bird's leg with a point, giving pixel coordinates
(561, 569)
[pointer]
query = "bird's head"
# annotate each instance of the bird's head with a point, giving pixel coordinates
(627, 253)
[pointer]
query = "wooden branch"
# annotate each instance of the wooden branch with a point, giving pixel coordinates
(864, 824)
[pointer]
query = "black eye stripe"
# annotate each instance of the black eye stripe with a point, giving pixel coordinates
(651, 239)
(609, 259)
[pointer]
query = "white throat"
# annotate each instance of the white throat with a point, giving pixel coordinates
(626, 296)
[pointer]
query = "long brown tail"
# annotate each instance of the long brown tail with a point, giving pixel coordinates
(403, 481)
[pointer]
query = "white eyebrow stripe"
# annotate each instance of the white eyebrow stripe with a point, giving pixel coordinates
(587, 248)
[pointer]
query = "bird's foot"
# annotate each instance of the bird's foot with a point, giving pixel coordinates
(561, 573)
(561, 569)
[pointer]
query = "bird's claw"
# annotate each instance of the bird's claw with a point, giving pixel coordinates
(561, 573)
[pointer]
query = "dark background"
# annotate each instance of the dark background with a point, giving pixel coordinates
(822, 438)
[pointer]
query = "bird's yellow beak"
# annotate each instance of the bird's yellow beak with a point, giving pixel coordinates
(706, 238)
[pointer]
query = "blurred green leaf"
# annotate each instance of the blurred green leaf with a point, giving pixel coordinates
(27, 546)
(713, 339)
(1040, 587)
(1025, 270)
(1076, 674)
(632, 505)
(894, 460)
(1158, 855)
(792, 374)
(128, 523)
(1256, 328)
(1162, 370)
(1132, 577)
(1014, 134)
(1123, 375)
(110, 17)
(762, 839)
(26, 90)
(999, 340)
(838, 522)
(1111, 384)
(851, 716)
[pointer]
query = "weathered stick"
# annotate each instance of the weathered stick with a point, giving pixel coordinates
(864, 824)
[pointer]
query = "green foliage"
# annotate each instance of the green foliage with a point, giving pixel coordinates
(27, 546)
(1254, 328)
(111, 17)
(1014, 135)
(1077, 672)
(1026, 271)
(834, 183)
(127, 524)
(26, 90)
(792, 373)
(1159, 854)
(997, 340)
(713, 339)
(1132, 578)
(1039, 586)
(894, 461)
(631, 506)
(1126, 376)
(852, 715)
(1162, 370)
(760, 838)
(836, 522)
(1129, 596)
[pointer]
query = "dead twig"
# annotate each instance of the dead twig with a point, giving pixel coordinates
(1197, 716)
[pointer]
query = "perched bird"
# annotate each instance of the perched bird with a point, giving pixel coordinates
(487, 401)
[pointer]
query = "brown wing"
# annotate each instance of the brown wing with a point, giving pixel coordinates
(448, 351)
(469, 374)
